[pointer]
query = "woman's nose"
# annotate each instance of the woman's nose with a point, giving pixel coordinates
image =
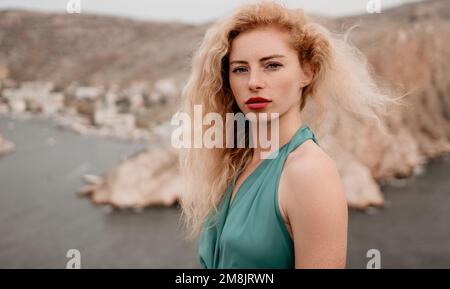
(255, 81)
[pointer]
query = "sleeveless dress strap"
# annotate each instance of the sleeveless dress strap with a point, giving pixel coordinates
(303, 134)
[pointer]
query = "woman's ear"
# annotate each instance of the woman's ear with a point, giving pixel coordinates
(307, 74)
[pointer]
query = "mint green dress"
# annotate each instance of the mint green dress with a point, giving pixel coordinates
(251, 233)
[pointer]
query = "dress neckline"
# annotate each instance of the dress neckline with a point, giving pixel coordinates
(229, 203)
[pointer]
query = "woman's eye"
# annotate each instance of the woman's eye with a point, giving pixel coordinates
(273, 65)
(239, 70)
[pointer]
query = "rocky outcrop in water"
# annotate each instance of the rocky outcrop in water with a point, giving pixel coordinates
(149, 178)
(6, 147)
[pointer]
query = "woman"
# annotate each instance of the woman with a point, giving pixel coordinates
(287, 211)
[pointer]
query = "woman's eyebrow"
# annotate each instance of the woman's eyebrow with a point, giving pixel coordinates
(261, 60)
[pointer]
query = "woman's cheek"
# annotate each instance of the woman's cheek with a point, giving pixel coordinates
(238, 94)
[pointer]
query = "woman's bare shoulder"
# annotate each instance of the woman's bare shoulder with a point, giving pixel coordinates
(310, 176)
(313, 199)
(307, 158)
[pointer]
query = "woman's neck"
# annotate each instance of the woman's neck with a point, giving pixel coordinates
(279, 132)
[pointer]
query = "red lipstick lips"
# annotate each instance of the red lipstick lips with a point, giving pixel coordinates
(257, 102)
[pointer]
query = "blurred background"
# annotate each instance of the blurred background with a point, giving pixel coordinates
(87, 91)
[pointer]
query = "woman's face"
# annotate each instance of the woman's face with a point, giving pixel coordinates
(262, 64)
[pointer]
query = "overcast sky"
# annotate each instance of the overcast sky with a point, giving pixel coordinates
(192, 11)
